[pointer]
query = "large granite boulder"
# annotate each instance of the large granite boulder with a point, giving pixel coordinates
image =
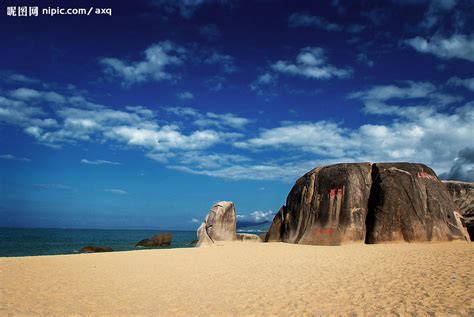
(409, 203)
(463, 196)
(275, 232)
(93, 249)
(219, 224)
(364, 202)
(326, 206)
(158, 240)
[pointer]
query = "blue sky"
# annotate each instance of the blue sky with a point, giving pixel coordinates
(145, 118)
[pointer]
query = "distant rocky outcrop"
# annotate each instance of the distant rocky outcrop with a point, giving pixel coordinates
(463, 196)
(364, 202)
(248, 237)
(158, 240)
(93, 249)
(219, 224)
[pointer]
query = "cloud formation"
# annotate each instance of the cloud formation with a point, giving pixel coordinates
(467, 83)
(311, 62)
(457, 46)
(14, 158)
(116, 191)
(157, 59)
(99, 162)
(302, 19)
(463, 166)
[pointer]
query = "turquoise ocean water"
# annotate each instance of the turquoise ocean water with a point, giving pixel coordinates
(28, 242)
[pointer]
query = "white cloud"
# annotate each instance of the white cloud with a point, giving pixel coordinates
(301, 19)
(462, 168)
(425, 132)
(436, 11)
(457, 46)
(194, 220)
(157, 58)
(467, 82)
(327, 138)
(54, 186)
(185, 95)
(210, 119)
(99, 162)
(305, 20)
(14, 158)
(27, 94)
(19, 78)
(262, 215)
(311, 63)
(116, 191)
(225, 61)
(265, 85)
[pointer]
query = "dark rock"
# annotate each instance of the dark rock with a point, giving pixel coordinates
(159, 240)
(409, 203)
(92, 249)
(364, 202)
(463, 196)
(275, 231)
(326, 206)
(219, 224)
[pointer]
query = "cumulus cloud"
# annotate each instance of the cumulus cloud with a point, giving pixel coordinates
(99, 162)
(157, 59)
(468, 83)
(425, 131)
(463, 166)
(14, 158)
(262, 215)
(311, 62)
(210, 119)
(79, 120)
(116, 191)
(185, 95)
(457, 46)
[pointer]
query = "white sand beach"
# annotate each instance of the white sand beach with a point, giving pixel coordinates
(245, 279)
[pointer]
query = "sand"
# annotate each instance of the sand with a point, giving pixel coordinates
(245, 278)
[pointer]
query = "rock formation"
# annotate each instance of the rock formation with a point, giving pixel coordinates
(158, 240)
(92, 249)
(463, 196)
(219, 224)
(409, 203)
(364, 202)
(248, 237)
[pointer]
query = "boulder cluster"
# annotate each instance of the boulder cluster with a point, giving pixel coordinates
(368, 202)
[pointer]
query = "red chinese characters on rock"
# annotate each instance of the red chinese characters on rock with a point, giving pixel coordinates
(426, 175)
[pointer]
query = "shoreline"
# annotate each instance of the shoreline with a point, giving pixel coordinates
(245, 278)
(224, 243)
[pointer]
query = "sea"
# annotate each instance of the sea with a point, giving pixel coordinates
(32, 242)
